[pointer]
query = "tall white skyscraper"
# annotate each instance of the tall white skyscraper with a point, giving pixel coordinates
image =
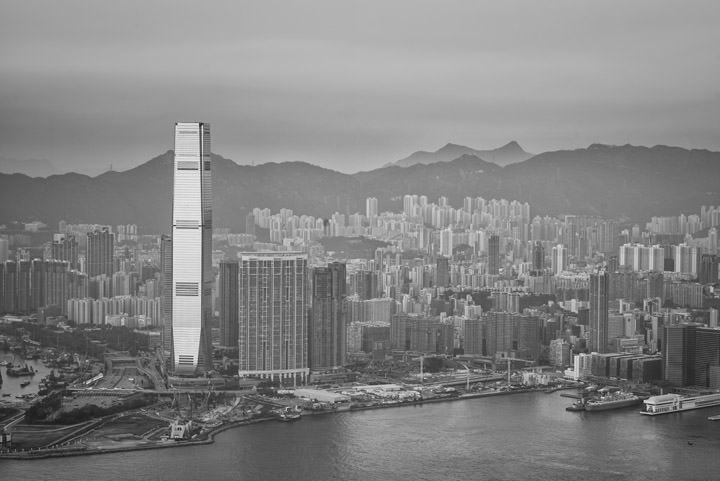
(191, 249)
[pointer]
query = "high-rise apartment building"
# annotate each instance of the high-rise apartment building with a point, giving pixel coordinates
(166, 292)
(9, 287)
(642, 258)
(191, 249)
(326, 323)
(273, 333)
(371, 208)
(4, 249)
(442, 272)
(707, 357)
(559, 259)
(709, 264)
(678, 354)
(493, 255)
(228, 293)
(65, 248)
(538, 256)
(415, 332)
(687, 259)
(599, 307)
(446, 242)
(100, 257)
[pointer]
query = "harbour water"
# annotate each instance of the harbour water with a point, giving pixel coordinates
(11, 385)
(520, 436)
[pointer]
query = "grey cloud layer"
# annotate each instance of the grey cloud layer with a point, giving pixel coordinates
(352, 85)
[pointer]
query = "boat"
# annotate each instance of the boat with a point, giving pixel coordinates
(20, 371)
(288, 415)
(576, 406)
(24, 383)
(615, 400)
(714, 418)
(672, 403)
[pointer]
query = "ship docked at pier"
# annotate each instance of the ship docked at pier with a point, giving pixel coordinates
(672, 403)
(615, 400)
(604, 399)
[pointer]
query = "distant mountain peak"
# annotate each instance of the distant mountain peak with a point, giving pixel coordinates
(512, 145)
(509, 153)
(450, 145)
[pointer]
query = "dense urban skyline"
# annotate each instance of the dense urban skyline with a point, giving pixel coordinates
(334, 284)
(353, 86)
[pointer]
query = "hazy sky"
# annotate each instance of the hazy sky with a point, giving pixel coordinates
(352, 85)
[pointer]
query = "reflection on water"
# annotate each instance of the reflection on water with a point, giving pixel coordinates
(506, 437)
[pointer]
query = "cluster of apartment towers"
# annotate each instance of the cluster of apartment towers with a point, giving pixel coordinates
(268, 317)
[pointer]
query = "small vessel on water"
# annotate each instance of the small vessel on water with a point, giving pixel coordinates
(18, 371)
(672, 403)
(24, 383)
(714, 418)
(578, 405)
(288, 415)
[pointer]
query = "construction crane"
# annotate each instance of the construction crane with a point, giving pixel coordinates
(467, 370)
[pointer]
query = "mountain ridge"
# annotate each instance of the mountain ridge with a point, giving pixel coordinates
(509, 153)
(613, 181)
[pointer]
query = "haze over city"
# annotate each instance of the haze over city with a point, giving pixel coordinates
(421, 240)
(352, 86)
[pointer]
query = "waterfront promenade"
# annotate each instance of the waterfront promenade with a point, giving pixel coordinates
(76, 443)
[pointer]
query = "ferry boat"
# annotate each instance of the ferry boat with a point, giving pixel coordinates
(671, 403)
(288, 415)
(614, 400)
(578, 405)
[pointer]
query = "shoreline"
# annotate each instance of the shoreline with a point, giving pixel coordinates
(209, 436)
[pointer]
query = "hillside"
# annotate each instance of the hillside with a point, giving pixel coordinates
(637, 182)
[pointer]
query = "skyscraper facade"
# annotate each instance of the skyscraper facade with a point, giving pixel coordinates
(538, 256)
(493, 254)
(371, 208)
(228, 293)
(678, 354)
(687, 259)
(559, 259)
(273, 333)
(65, 248)
(442, 272)
(326, 323)
(191, 249)
(166, 287)
(100, 253)
(709, 264)
(599, 307)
